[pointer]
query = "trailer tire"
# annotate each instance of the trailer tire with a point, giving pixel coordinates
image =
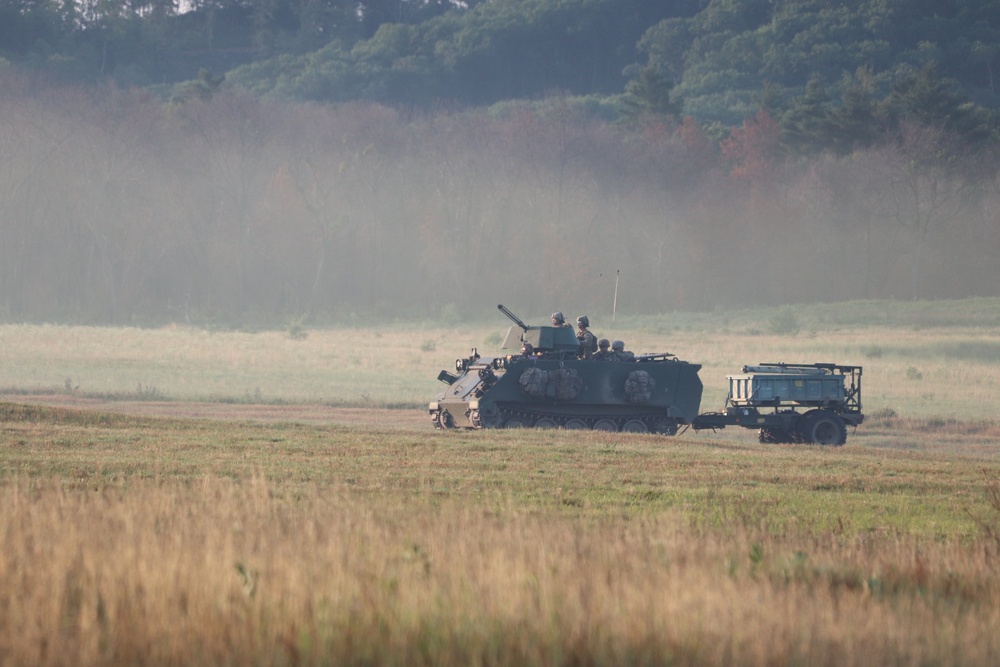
(823, 427)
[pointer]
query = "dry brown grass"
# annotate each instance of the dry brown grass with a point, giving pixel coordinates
(943, 372)
(220, 572)
(130, 539)
(373, 540)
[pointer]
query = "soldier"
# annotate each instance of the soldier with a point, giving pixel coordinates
(558, 320)
(618, 349)
(604, 354)
(527, 350)
(588, 342)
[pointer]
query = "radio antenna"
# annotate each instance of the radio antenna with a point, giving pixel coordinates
(614, 304)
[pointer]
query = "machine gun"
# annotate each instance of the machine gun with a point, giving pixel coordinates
(514, 318)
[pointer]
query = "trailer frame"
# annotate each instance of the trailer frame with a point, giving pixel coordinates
(822, 420)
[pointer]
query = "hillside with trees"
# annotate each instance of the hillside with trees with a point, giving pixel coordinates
(715, 60)
(409, 158)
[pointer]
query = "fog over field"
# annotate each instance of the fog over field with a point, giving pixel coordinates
(116, 208)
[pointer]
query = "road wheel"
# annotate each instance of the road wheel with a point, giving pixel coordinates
(824, 428)
(665, 426)
(516, 422)
(575, 425)
(606, 425)
(634, 426)
(546, 422)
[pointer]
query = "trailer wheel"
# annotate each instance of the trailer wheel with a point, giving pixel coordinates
(824, 428)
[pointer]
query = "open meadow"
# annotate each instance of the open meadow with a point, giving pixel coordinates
(179, 496)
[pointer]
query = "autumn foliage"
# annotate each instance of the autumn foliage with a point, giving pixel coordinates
(117, 208)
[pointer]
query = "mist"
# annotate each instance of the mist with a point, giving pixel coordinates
(116, 208)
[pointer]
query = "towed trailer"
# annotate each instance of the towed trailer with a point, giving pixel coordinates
(811, 403)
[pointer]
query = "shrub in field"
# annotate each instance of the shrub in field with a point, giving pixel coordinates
(872, 351)
(146, 392)
(296, 329)
(784, 323)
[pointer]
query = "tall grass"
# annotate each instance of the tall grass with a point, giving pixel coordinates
(212, 571)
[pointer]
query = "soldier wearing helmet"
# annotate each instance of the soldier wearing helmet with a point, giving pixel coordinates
(588, 342)
(618, 349)
(558, 320)
(604, 353)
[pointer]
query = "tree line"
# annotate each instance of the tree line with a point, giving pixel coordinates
(718, 61)
(734, 55)
(230, 209)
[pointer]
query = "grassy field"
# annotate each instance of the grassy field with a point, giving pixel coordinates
(168, 541)
(940, 360)
(279, 536)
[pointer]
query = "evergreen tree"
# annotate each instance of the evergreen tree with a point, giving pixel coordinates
(649, 94)
(859, 121)
(924, 96)
(807, 126)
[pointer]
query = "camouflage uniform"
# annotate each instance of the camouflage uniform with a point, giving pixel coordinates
(588, 342)
(604, 354)
(618, 349)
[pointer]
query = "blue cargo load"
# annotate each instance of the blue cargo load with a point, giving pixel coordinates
(768, 385)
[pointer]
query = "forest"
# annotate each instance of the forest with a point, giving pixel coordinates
(245, 163)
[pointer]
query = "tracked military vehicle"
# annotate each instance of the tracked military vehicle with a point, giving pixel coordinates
(541, 383)
(549, 387)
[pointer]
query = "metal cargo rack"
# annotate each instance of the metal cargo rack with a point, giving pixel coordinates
(785, 400)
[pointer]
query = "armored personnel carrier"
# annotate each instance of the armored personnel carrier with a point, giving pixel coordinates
(549, 387)
(541, 383)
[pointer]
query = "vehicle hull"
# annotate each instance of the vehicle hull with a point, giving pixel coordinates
(657, 393)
